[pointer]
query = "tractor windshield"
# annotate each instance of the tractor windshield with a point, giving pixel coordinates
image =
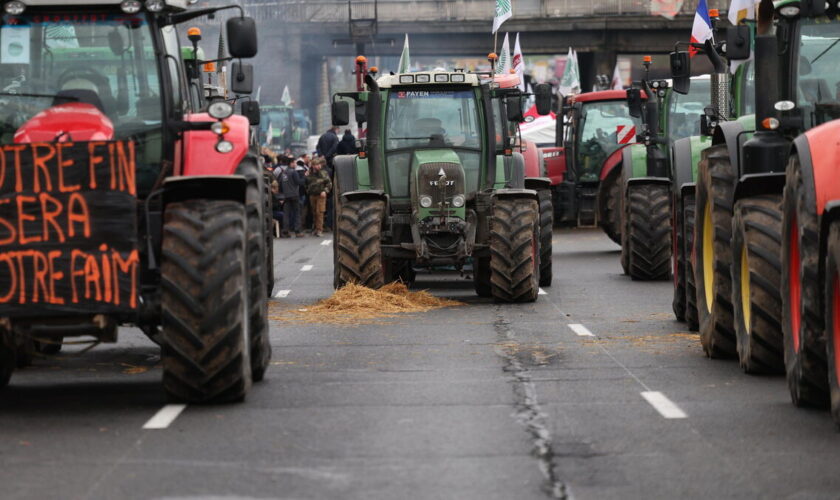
(686, 110)
(598, 136)
(274, 125)
(431, 119)
(818, 72)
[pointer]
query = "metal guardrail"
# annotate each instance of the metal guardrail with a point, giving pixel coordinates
(338, 11)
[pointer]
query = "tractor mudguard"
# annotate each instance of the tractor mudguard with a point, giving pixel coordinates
(818, 153)
(366, 194)
(532, 157)
(611, 162)
(537, 183)
(515, 193)
(210, 187)
(758, 184)
(687, 189)
(345, 174)
(649, 180)
(200, 158)
(634, 155)
(513, 170)
(683, 168)
(728, 133)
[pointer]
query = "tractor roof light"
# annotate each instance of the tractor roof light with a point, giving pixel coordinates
(789, 11)
(458, 78)
(406, 78)
(155, 5)
(14, 8)
(220, 110)
(423, 78)
(130, 6)
(441, 78)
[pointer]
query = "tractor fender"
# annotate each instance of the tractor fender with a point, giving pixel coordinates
(509, 193)
(344, 174)
(687, 189)
(633, 161)
(682, 163)
(366, 194)
(649, 180)
(611, 162)
(758, 184)
(212, 187)
(537, 183)
(532, 158)
(514, 171)
(819, 157)
(728, 133)
(199, 156)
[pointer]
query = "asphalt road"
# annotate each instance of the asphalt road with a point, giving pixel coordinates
(593, 392)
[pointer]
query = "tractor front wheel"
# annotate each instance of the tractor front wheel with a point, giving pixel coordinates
(204, 279)
(648, 212)
(610, 204)
(257, 251)
(546, 236)
(713, 250)
(756, 247)
(832, 319)
(358, 257)
(688, 209)
(514, 255)
(678, 259)
(802, 314)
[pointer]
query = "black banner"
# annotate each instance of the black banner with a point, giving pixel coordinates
(68, 228)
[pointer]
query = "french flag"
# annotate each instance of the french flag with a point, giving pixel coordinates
(702, 28)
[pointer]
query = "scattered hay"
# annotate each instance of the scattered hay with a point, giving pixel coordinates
(354, 304)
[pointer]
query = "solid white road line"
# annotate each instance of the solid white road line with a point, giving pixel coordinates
(281, 293)
(541, 292)
(663, 405)
(307, 267)
(581, 330)
(326, 243)
(164, 417)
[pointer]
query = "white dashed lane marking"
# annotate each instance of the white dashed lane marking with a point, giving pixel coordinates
(541, 292)
(326, 243)
(307, 267)
(581, 330)
(281, 293)
(164, 417)
(663, 405)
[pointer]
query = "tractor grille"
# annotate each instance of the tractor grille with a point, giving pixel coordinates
(429, 175)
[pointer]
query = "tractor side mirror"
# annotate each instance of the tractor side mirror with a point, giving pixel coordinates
(542, 96)
(242, 37)
(513, 106)
(738, 42)
(340, 113)
(634, 102)
(242, 78)
(681, 71)
(251, 111)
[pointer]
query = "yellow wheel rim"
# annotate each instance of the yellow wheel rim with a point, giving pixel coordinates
(708, 256)
(745, 288)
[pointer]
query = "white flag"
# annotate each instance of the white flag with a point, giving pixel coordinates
(570, 81)
(504, 11)
(269, 134)
(405, 58)
(666, 8)
(503, 66)
(617, 82)
(519, 63)
(287, 97)
(740, 10)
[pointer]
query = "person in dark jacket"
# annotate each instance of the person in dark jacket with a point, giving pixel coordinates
(328, 145)
(291, 181)
(347, 146)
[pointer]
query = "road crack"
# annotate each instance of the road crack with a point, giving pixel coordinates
(528, 413)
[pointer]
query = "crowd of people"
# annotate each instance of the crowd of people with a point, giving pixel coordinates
(302, 185)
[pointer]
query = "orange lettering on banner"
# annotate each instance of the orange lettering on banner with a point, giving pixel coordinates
(50, 215)
(126, 167)
(93, 161)
(22, 280)
(74, 273)
(127, 266)
(82, 216)
(106, 272)
(18, 179)
(13, 273)
(113, 166)
(92, 275)
(12, 231)
(62, 164)
(39, 162)
(23, 217)
(40, 266)
(55, 275)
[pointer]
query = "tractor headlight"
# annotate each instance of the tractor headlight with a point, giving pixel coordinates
(155, 5)
(220, 128)
(130, 6)
(220, 110)
(789, 11)
(224, 146)
(14, 8)
(425, 201)
(458, 201)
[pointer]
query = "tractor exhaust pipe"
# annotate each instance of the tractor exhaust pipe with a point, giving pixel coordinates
(719, 82)
(374, 111)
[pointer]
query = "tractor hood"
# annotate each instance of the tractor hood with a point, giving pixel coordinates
(437, 180)
(72, 121)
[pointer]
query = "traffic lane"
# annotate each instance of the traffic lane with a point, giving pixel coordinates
(741, 437)
(416, 404)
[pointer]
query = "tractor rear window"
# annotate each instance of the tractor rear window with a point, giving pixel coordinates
(818, 89)
(598, 137)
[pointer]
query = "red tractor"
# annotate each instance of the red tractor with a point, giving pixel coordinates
(127, 200)
(585, 164)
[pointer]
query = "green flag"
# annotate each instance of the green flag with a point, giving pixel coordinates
(503, 65)
(570, 81)
(504, 11)
(286, 99)
(405, 58)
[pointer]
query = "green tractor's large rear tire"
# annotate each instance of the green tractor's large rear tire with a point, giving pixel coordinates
(358, 257)
(713, 250)
(514, 255)
(204, 278)
(802, 311)
(689, 209)
(756, 278)
(832, 319)
(546, 236)
(648, 212)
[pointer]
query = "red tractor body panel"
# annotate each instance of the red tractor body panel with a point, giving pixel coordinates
(68, 122)
(533, 162)
(611, 161)
(555, 164)
(198, 148)
(825, 157)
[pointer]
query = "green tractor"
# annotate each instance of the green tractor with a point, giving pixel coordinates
(436, 183)
(282, 127)
(646, 235)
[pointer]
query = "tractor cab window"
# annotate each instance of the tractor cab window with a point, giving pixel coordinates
(598, 135)
(102, 62)
(687, 110)
(818, 75)
(276, 128)
(445, 119)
